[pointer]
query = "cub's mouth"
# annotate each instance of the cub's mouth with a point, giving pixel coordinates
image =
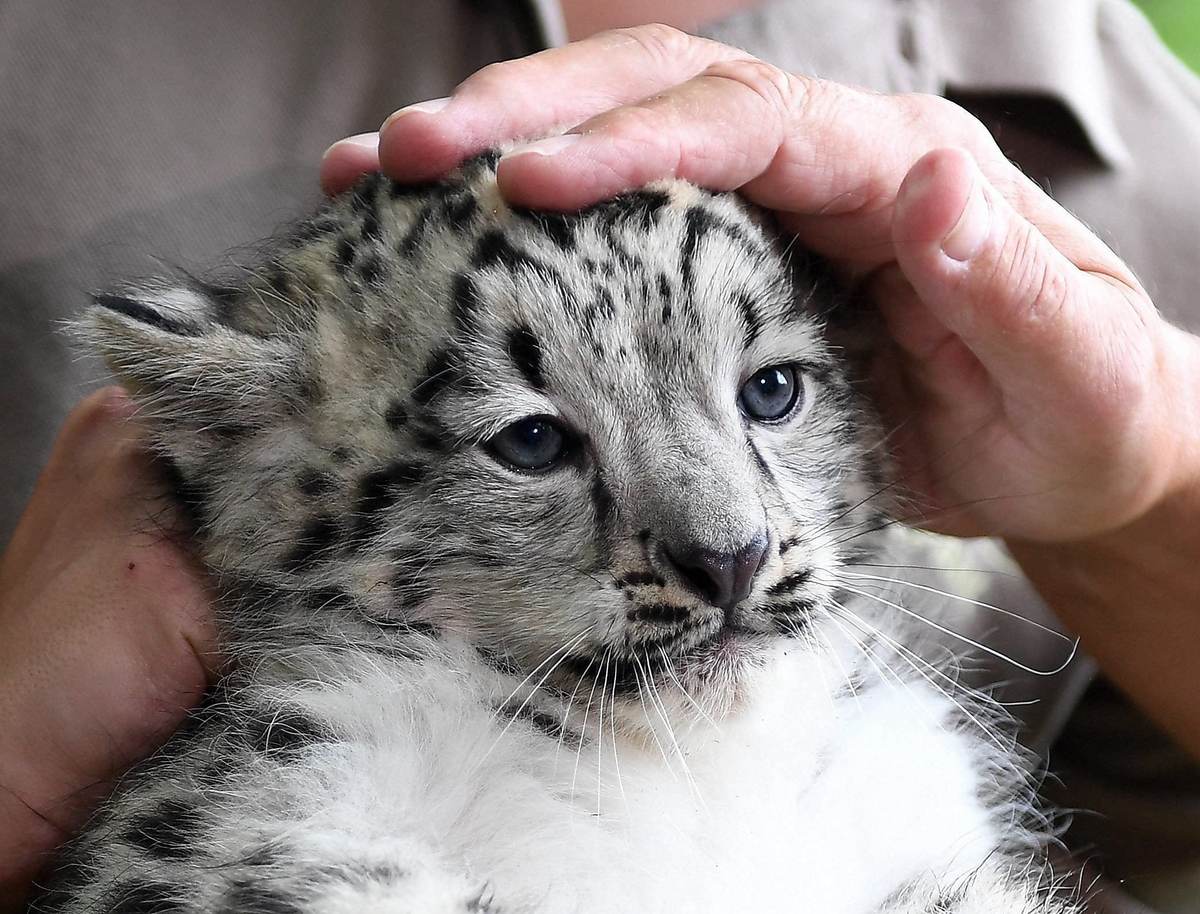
(723, 658)
(719, 659)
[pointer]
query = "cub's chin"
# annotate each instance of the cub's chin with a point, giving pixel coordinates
(715, 672)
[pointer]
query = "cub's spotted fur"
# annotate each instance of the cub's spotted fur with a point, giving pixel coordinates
(531, 533)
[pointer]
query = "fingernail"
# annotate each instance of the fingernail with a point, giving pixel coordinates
(547, 147)
(369, 141)
(974, 226)
(433, 106)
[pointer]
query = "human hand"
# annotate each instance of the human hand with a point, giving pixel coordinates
(105, 638)
(1036, 392)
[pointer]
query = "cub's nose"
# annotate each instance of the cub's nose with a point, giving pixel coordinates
(724, 579)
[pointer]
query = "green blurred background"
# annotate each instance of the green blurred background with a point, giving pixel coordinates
(1178, 21)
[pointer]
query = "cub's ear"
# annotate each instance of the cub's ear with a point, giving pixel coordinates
(170, 347)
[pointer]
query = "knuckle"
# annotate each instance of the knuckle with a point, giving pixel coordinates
(484, 81)
(944, 122)
(781, 92)
(1037, 287)
(662, 43)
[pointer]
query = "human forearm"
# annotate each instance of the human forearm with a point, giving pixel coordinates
(1133, 594)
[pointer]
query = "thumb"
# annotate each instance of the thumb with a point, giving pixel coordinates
(1039, 301)
(1019, 320)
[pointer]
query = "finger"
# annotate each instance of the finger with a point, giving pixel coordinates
(348, 160)
(830, 158)
(540, 94)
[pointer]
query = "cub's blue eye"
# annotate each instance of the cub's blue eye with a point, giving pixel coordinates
(536, 443)
(771, 394)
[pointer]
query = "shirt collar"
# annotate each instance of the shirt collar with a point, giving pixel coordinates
(1045, 47)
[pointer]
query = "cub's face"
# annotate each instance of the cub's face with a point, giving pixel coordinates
(607, 446)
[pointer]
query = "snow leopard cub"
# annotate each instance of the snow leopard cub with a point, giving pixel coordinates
(531, 531)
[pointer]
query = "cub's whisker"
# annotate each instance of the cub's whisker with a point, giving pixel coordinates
(958, 636)
(927, 671)
(961, 599)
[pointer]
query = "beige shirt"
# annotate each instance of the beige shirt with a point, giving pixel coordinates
(139, 133)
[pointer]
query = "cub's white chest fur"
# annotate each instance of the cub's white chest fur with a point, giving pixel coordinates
(810, 799)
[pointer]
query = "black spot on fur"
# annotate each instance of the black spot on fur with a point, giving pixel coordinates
(397, 415)
(310, 389)
(319, 227)
(646, 204)
(618, 675)
(229, 432)
(558, 227)
(414, 239)
(658, 613)
(277, 281)
(760, 460)
(409, 585)
(855, 684)
(637, 578)
(245, 897)
(140, 897)
(398, 191)
(526, 354)
(465, 303)
(750, 318)
(461, 211)
(63, 881)
(343, 255)
(364, 196)
(264, 856)
(495, 248)
(546, 724)
(696, 220)
(282, 731)
(371, 228)
(640, 206)
(173, 830)
(147, 314)
(364, 200)
(331, 599)
(486, 160)
(315, 483)
(440, 374)
(226, 297)
(602, 503)
(792, 617)
(370, 270)
(317, 540)
(192, 496)
(790, 583)
(429, 436)
(378, 491)
(606, 308)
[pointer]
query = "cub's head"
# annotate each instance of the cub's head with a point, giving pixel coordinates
(613, 443)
